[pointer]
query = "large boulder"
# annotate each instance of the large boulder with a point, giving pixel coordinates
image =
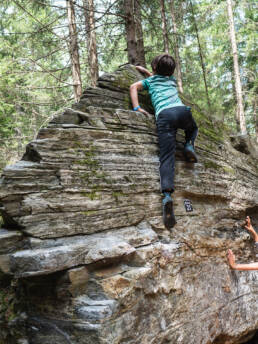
(84, 255)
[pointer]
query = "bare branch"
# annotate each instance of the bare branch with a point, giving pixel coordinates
(101, 12)
(40, 88)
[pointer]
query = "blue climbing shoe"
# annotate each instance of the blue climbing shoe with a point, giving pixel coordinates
(168, 212)
(189, 153)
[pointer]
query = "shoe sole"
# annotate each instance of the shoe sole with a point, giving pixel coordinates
(190, 156)
(168, 215)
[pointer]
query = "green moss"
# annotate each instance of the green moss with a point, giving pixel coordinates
(100, 175)
(89, 161)
(107, 181)
(133, 187)
(93, 164)
(117, 194)
(7, 302)
(127, 102)
(218, 137)
(84, 176)
(91, 195)
(89, 212)
(229, 170)
(124, 79)
(206, 126)
(89, 153)
(211, 164)
(200, 117)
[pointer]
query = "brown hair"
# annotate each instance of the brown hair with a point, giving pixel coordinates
(163, 64)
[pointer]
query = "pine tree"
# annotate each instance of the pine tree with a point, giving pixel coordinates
(240, 118)
(130, 31)
(201, 56)
(74, 51)
(139, 34)
(91, 41)
(164, 27)
(176, 47)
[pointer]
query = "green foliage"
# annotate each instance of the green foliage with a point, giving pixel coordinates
(28, 94)
(7, 304)
(35, 64)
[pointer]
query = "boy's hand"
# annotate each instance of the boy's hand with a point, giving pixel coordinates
(250, 228)
(143, 70)
(248, 225)
(231, 259)
(143, 111)
(140, 69)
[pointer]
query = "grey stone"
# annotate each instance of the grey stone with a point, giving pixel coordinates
(63, 254)
(84, 235)
(10, 241)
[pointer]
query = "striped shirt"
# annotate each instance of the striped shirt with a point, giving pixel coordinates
(163, 92)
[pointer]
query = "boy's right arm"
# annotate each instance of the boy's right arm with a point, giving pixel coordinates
(134, 88)
(241, 267)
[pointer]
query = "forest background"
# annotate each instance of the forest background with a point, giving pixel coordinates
(51, 50)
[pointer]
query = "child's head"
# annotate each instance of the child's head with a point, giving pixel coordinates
(163, 65)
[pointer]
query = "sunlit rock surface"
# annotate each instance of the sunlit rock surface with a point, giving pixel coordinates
(85, 258)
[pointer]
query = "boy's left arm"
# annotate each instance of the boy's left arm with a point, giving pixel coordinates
(134, 88)
(143, 70)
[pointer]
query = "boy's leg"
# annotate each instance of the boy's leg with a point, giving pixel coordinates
(191, 132)
(167, 145)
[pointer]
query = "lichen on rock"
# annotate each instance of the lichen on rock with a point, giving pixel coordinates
(83, 236)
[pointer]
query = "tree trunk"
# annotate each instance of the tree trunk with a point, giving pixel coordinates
(130, 31)
(176, 48)
(240, 118)
(74, 51)
(164, 27)
(201, 56)
(139, 35)
(255, 118)
(91, 41)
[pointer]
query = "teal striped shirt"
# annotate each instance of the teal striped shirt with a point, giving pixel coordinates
(163, 92)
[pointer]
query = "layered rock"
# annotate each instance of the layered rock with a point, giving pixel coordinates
(83, 237)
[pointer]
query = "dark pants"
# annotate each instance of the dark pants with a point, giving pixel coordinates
(169, 120)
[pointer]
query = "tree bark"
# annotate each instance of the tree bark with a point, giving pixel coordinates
(255, 119)
(74, 51)
(164, 27)
(201, 57)
(176, 48)
(130, 31)
(139, 35)
(91, 41)
(240, 115)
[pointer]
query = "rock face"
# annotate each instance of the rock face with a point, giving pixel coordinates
(84, 247)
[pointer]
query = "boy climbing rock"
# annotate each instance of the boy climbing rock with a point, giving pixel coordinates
(170, 114)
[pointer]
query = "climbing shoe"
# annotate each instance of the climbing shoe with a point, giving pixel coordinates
(168, 212)
(189, 153)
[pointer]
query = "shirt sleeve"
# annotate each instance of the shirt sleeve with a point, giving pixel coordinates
(145, 84)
